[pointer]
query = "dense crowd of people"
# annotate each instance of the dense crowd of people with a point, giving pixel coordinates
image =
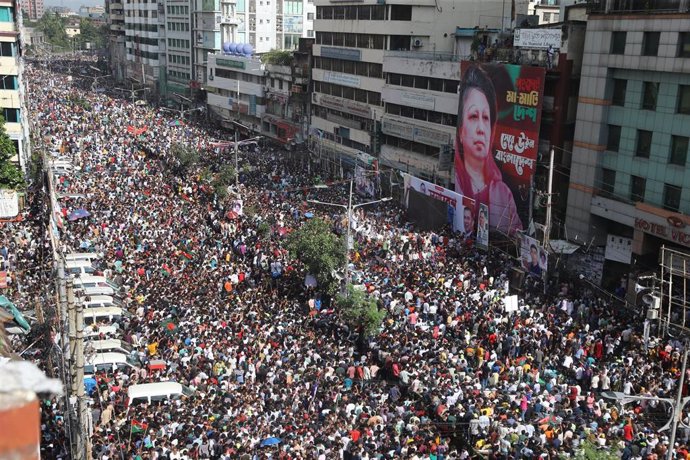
(213, 292)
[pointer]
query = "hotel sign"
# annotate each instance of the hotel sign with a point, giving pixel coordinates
(663, 230)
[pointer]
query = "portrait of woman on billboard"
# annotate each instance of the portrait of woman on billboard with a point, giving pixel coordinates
(476, 174)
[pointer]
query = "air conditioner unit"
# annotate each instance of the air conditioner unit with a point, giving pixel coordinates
(652, 314)
(417, 43)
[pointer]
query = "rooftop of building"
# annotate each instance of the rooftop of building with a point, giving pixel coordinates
(637, 7)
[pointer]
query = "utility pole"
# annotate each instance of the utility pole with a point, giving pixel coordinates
(678, 412)
(547, 230)
(84, 444)
(237, 170)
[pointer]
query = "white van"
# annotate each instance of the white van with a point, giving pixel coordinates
(79, 268)
(87, 256)
(108, 362)
(95, 330)
(104, 315)
(93, 285)
(100, 301)
(113, 345)
(148, 392)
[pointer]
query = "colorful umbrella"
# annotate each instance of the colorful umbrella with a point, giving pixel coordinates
(270, 442)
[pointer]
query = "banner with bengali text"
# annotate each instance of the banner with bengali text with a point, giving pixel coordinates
(500, 178)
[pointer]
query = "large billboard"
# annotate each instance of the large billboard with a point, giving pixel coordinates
(499, 114)
(461, 210)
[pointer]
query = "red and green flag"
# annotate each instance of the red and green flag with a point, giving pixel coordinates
(138, 427)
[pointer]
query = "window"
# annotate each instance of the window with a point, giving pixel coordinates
(547, 17)
(619, 87)
(310, 16)
(607, 182)
(679, 150)
(650, 43)
(684, 44)
(401, 12)
(6, 14)
(672, 197)
(11, 115)
(7, 49)
(637, 187)
(618, 42)
(683, 99)
(650, 91)
(8, 82)
(310, 33)
(644, 143)
(614, 138)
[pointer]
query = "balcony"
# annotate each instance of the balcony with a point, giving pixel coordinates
(230, 20)
(7, 26)
(637, 6)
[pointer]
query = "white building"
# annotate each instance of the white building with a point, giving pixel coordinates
(141, 41)
(12, 85)
(274, 24)
(383, 71)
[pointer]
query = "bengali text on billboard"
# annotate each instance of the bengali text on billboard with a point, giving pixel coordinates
(499, 114)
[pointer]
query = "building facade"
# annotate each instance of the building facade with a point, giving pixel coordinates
(358, 45)
(34, 9)
(142, 42)
(12, 85)
(630, 178)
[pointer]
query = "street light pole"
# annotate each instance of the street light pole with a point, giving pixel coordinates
(346, 272)
(349, 208)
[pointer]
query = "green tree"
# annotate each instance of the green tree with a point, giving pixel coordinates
(359, 311)
(319, 250)
(90, 33)
(186, 156)
(53, 26)
(10, 175)
(277, 57)
(224, 177)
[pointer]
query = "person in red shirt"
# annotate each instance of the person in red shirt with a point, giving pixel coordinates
(628, 431)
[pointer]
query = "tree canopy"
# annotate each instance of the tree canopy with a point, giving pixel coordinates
(320, 250)
(359, 311)
(53, 26)
(10, 175)
(277, 57)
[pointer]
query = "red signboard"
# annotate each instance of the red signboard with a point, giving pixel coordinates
(497, 139)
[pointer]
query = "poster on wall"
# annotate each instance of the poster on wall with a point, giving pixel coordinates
(483, 227)
(9, 203)
(461, 210)
(534, 257)
(365, 184)
(499, 113)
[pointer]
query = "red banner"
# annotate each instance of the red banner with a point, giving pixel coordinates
(3, 280)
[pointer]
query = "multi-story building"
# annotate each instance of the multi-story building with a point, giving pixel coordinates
(361, 54)
(12, 85)
(115, 17)
(287, 97)
(274, 24)
(236, 90)
(34, 9)
(630, 175)
(175, 33)
(142, 42)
